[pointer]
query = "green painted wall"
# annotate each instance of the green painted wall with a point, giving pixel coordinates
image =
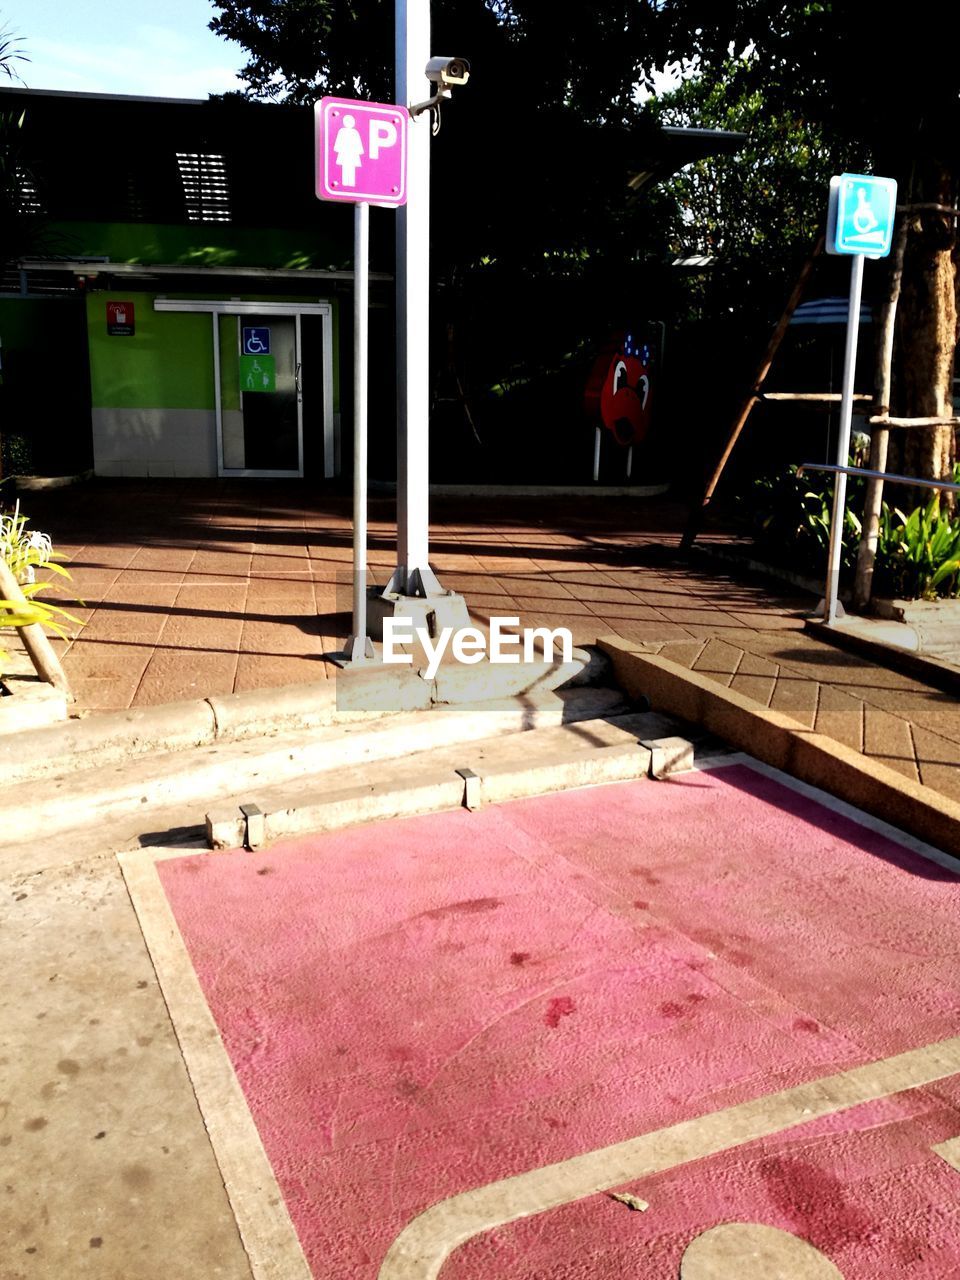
(166, 364)
(204, 245)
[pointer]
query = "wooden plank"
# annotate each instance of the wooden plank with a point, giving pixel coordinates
(884, 421)
(814, 397)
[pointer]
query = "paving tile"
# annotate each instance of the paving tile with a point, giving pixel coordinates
(631, 629)
(172, 676)
(110, 660)
(888, 739)
(172, 559)
(840, 717)
(291, 592)
(131, 625)
(641, 612)
(719, 661)
(221, 635)
(938, 762)
(755, 678)
(297, 635)
(103, 557)
(254, 671)
(929, 708)
(685, 653)
(92, 582)
(761, 621)
(124, 591)
(537, 586)
(104, 693)
(507, 564)
(532, 604)
(797, 696)
(158, 577)
(597, 593)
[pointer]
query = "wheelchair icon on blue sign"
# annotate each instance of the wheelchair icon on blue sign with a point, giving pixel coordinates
(256, 341)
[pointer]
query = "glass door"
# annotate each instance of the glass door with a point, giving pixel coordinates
(261, 421)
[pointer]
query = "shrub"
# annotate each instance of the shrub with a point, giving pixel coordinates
(24, 553)
(790, 520)
(918, 555)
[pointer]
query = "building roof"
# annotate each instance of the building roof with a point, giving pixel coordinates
(119, 158)
(669, 149)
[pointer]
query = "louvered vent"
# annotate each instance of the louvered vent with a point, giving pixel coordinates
(206, 190)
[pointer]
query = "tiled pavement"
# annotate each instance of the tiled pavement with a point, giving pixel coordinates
(195, 587)
(892, 718)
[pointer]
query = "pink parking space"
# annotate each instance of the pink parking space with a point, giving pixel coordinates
(419, 1008)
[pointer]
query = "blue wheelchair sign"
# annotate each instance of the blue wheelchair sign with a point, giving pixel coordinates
(861, 215)
(256, 341)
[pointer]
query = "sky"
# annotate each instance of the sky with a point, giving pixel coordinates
(159, 48)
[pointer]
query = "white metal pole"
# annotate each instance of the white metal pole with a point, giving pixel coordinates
(843, 444)
(596, 455)
(413, 307)
(630, 462)
(360, 647)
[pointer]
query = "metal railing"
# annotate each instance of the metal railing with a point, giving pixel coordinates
(831, 590)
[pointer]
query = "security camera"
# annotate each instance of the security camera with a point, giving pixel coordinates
(445, 71)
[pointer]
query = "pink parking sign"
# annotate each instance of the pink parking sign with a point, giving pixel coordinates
(361, 151)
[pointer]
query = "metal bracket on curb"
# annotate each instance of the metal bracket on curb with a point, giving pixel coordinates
(668, 756)
(255, 824)
(471, 788)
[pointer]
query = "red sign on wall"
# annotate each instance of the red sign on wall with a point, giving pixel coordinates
(120, 319)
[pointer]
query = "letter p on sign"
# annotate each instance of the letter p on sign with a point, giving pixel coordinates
(383, 134)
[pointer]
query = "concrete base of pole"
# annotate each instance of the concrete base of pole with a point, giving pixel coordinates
(821, 610)
(435, 611)
(357, 649)
(418, 582)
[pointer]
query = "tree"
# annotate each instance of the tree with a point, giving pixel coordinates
(890, 95)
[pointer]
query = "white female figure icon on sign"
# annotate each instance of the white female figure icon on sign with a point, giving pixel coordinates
(348, 149)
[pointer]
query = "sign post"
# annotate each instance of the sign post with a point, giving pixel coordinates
(860, 219)
(362, 160)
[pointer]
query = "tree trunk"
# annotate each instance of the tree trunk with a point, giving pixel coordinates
(926, 336)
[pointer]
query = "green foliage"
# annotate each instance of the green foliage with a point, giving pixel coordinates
(25, 552)
(790, 521)
(918, 555)
(753, 213)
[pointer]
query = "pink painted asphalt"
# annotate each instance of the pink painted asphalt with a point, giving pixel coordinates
(419, 1008)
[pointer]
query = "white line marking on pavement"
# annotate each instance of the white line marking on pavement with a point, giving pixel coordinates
(427, 1242)
(266, 1230)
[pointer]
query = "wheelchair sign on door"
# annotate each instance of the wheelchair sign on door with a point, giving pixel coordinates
(256, 341)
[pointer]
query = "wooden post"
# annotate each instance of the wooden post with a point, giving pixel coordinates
(41, 651)
(880, 436)
(773, 346)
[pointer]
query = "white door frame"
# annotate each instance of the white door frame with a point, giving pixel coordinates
(290, 309)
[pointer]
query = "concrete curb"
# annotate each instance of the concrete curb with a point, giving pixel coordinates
(786, 744)
(230, 827)
(102, 740)
(26, 702)
(111, 738)
(920, 666)
(742, 563)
